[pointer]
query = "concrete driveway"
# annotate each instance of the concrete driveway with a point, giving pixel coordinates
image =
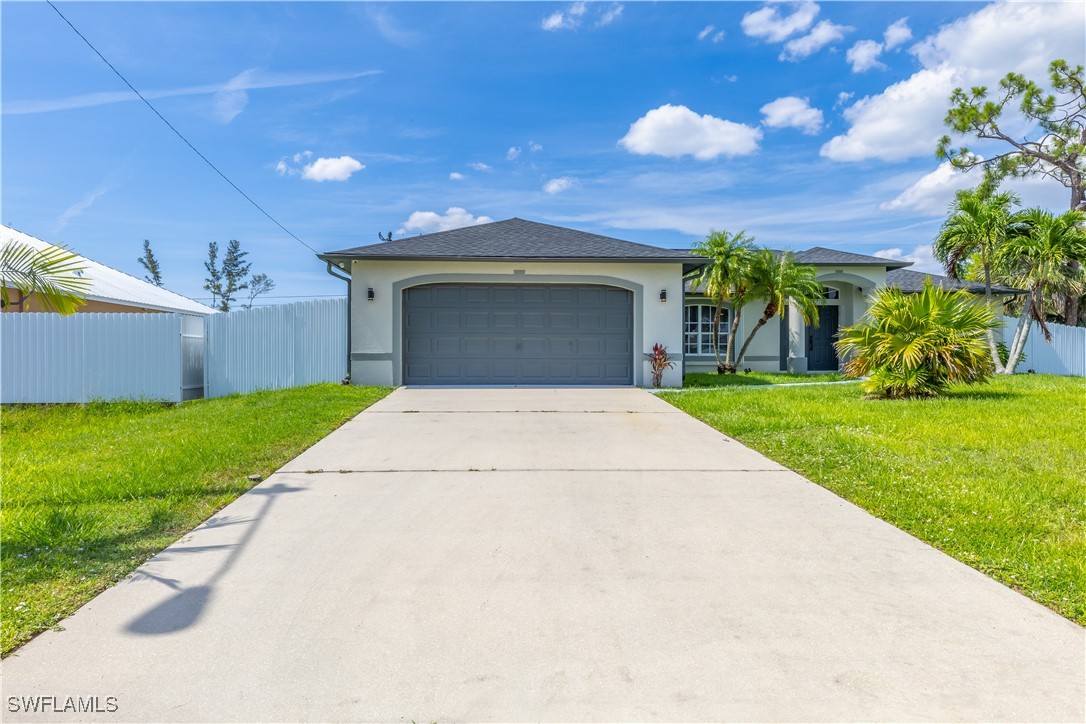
(523, 554)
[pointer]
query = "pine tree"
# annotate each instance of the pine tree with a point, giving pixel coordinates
(213, 282)
(234, 272)
(259, 284)
(150, 265)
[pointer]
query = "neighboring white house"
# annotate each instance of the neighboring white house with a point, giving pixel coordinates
(518, 302)
(109, 290)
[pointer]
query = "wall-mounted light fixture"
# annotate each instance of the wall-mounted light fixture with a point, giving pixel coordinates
(663, 295)
(369, 294)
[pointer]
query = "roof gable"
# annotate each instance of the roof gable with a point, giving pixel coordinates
(512, 239)
(828, 257)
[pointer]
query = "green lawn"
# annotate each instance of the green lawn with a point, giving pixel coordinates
(92, 492)
(712, 379)
(993, 475)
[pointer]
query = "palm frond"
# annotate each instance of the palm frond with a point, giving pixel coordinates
(50, 274)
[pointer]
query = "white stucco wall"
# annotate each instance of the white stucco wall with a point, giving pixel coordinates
(375, 326)
(854, 283)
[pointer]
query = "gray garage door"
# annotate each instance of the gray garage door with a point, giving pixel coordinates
(533, 334)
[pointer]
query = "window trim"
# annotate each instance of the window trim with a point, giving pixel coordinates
(703, 340)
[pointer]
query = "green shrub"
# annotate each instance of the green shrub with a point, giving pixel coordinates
(916, 345)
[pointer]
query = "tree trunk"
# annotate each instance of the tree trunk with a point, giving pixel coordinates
(758, 325)
(991, 333)
(716, 337)
(1070, 309)
(729, 367)
(1021, 332)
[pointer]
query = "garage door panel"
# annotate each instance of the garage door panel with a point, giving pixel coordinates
(475, 320)
(533, 320)
(517, 334)
(475, 295)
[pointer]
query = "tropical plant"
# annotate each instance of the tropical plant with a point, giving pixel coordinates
(724, 281)
(1058, 151)
(659, 362)
(780, 281)
(917, 345)
(1044, 255)
(51, 274)
(973, 232)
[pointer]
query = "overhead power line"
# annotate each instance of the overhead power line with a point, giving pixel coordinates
(179, 134)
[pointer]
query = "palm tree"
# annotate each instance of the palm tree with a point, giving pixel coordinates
(1043, 254)
(975, 229)
(916, 345)
(780, 281)
(723, 282)
(49, 273)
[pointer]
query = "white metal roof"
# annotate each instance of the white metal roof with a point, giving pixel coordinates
(110, 285)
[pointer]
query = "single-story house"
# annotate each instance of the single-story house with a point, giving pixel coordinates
(109, 290)
(520, 302)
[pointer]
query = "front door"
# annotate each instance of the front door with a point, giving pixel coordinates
(821, 354)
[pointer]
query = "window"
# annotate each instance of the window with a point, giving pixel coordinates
(830, 293)
(698, 329)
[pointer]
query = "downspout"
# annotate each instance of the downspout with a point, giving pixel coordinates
(338, 274)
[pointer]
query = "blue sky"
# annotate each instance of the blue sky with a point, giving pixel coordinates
(803, 123)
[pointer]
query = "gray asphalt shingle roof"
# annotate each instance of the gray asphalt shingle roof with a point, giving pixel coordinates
(828, 257)
(513, 239)
(908, 280)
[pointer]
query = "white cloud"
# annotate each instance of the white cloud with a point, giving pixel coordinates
(932, 193)
(281, 168)
(512, 153)
(921, 257)
(820, 36)
(675, 131)
(611, 14)
(454, 176)
(792, 112)
(864, 56)
(558, 185)
(768, 23)
(906, 119)
(555, 21)
(842, 99)
(710, 30)
(567, 19)
(232, 98)
(479, 166)
(245, 81)
(79, 207)
(389, 29)
(897, 33)
(426, 222)
(332, 169)
(535, 147)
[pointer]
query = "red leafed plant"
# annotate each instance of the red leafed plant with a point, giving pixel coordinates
(659, 361)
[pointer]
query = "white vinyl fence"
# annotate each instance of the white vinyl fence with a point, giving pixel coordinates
(275, 347)
(47, 358)
(85, 357)
(1064, 355)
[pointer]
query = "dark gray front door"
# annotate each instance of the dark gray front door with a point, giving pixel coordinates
(535, 334)
(821, 354)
